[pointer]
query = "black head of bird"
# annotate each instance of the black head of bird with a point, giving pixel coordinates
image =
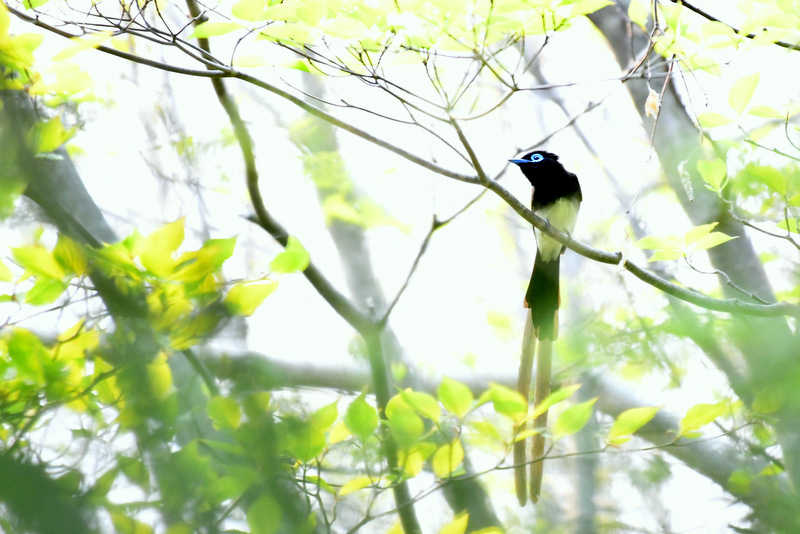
(550, 180)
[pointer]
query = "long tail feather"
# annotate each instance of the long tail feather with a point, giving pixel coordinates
(524, 389)
(544, 363)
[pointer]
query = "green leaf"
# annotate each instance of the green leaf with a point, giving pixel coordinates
(45, 291)
(447, 458)
(742, 91)
(791, 225)
(654, 242)
(740, 482)
(224, 412)
(770, 176)
(639, 12)
(345, 27)
(700, 415)
(157, 250)
(573, 418)
(586, 7)
(712, 240)
(457, 525)
(70, 255)
(324, 417)
(628, 422)
(47, 136)
(711, 119)
(243, 299)
(361, 419)
(321, 484)
(354, 485)
(455, 396)
(251, 10)
(407, 427)
(5, 273)
(423, 403)
(698, 232)
(197, 265)
(766, 112)
(713, 173)
(39, 261)
(214, 29)
(293, 258)
(554, 398)
(507, 401)
(264, 516)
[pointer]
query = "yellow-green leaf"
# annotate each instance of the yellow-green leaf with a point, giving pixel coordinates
(251, 10)
(293, 258)
(698, 232)
(38, 260)
(354, 485)
(243, 299)
(507, 401)
(766, 112)
(447, 458)
(264, 516)
(407, 427)
(791, 224)
(423, 403)
(639, 11)
(711, 119)
(214, 29)
(45, 291)
(628, 422)
(713, 173)
(5, 273)
(224, 412)
(554, 398)
(712, 240)
(666, 255)
(157, 250)
(455, 396)
(324, 417)
(700, 415)
(85, 42)
(160, 376)
(742, 91)
(47, 136)
(361, 418)
(457, 525)
(70, 255)
(573, 418)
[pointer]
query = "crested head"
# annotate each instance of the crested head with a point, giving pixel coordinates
(537, 158)
(539, 164)
(550, 180)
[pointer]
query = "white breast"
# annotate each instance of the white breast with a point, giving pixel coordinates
(562, 214)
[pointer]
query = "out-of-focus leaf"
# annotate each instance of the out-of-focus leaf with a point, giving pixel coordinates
(742, 92)
(700, 415)
(214, 29)
(711, 119)
(628, 422)
(293, 258)
(448, 458)
(573, 418)
(361, 418)
(243, 299)
(455, 396)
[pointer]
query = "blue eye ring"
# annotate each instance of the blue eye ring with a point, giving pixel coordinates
(536, 158)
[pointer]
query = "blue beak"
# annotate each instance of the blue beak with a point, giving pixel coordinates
(519, 161)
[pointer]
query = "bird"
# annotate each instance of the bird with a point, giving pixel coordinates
(556, 197)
